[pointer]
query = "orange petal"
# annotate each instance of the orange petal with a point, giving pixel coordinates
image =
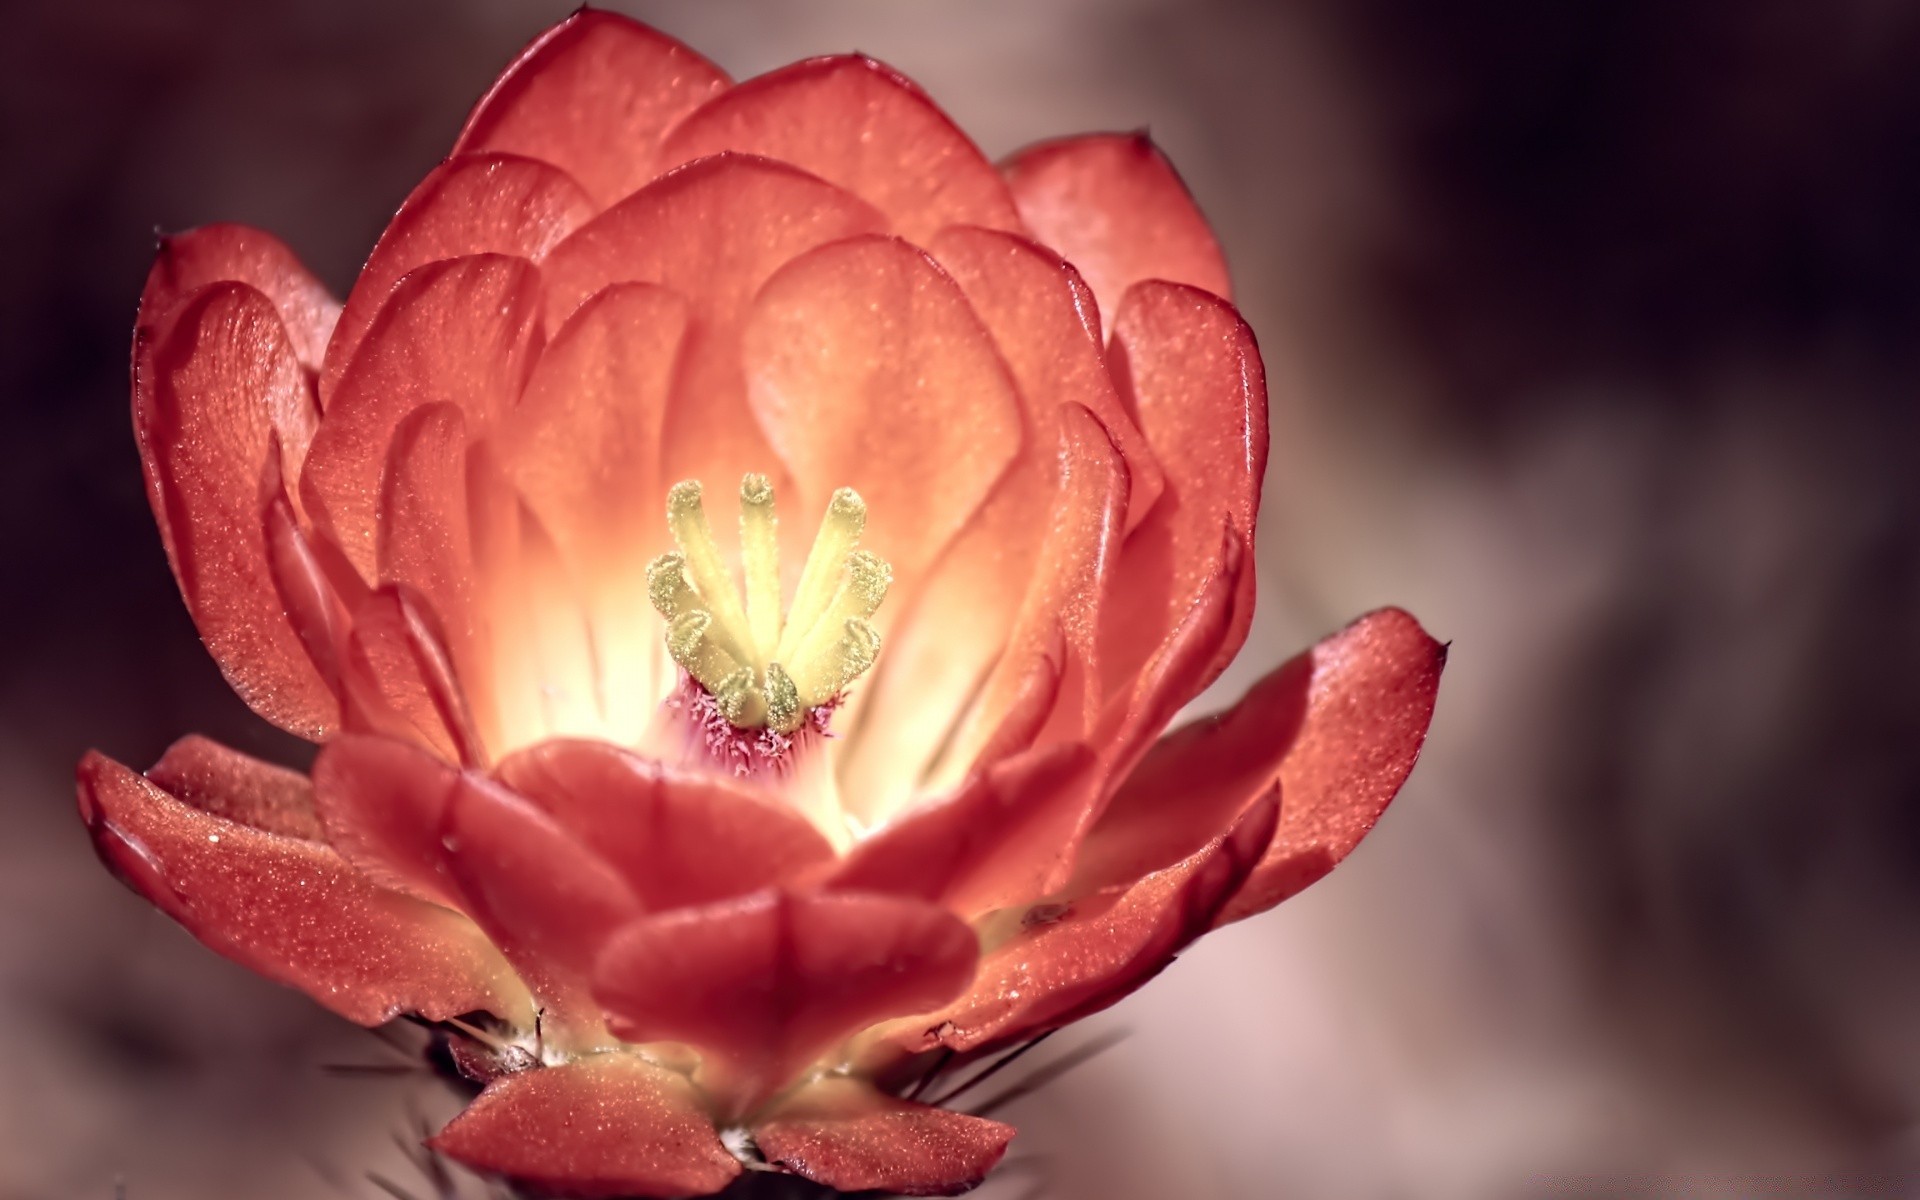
(236, 787)
(1070, 961)
(1002, 837)
(219, 388)
(868, 369)
(317, 587)
(601, 1126)
(592, 96)
(1369, 698)
(713, 231)
(678, 839)
(1190, 366)
(769, 983)
(290, 909)
(400, 677)
(224, 252)
(1115, 208)
(383, 803)
(461, 332)
(864, 126)
(489, 204)
(845, 1135)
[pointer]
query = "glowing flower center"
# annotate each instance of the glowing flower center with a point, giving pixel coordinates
(765, 665)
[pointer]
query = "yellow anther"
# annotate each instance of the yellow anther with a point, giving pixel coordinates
(764, 672)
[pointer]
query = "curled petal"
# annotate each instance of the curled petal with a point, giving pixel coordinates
(218, 392)
(1369, 699)
(382, 803)
(1115, 207)
(845, 1135)
(601, 1126)
(592, 96)
(400, 677)
(679, 839)
(864, 126)
(486, 204)
(769, 983)
(226, 252)
(1070, 961)
(237, 787)
(291, 909)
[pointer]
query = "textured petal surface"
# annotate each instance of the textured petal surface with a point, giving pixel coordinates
(678, 839)
(846, 1135)
(488, 204)
(1190, 366)
(462, 332)
(237, 787)
(423, 539)
(1115, 208)
(224, 252)
(382, 803)
(768, 983)
(605, 1125)
(1069, 961)
(864, 126)
(400, 678)
(1369, 698)
(220, 387)
(291, 909)
(593, 95)
(712, 231)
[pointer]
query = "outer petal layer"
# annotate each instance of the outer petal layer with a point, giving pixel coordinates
(291, 909)
(227, 252)
(606, 1125)
(230, 785)
(846, 1135)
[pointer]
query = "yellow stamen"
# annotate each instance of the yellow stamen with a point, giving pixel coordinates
(765, 672)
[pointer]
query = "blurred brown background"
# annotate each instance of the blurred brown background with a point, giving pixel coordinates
(1591, 326)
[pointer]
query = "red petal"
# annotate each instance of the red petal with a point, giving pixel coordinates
(1191, 367)
(547, 900)
(219, 387)
(1072, 961)
(400, 678)
(1368, 703)
(606, 1125)
(462, 332)
(593, 95)
(679, 839)
(868, 370)
(864, 126)
(465, 206)
(236, 787)
(712, 231)
(844, 1134)
(291, 909)
(424, 537)
(1001, 838)
(383, 803)
(769, 983)
(1115, 208)
(217, 253)
(317, 587)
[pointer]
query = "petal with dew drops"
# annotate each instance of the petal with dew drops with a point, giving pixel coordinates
(593, 95)
(846, 1135)
(382, 803)
(1068, 962)
(224, 252)
(484, 204)
(864, 126)
(601, 1126)
(463, 332)
(222, 388)
(1001, 837)
(237, 787)
(291, 909)
(713, 231)
(867, 369)
(1194, 375)
(1369, 700)
(1114, 207)
(768, 983)
(679, 839)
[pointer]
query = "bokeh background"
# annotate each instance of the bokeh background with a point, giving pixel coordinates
(1592, 333)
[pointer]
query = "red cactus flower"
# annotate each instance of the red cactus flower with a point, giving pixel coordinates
(599, 783)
